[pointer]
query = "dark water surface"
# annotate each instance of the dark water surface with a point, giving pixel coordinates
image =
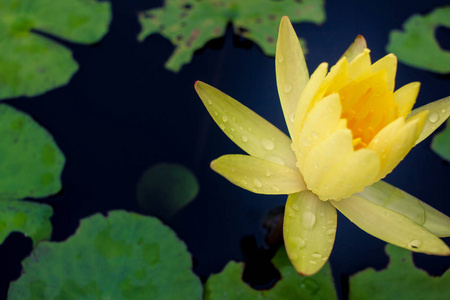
(123, 112)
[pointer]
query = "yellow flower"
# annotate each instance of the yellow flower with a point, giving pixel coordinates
(348, 129)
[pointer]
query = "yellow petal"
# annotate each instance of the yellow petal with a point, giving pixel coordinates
(247, 129)
(355, 48)
(439, 111)
(390, 226)
(333, 170)
(394, 142)
(292, 72)
(361, 66)
(258, 175)
(386, 195)
(405, 97)
(388, 63)
(320, 122)
(309, 230)
(305, 103)
(337, 78)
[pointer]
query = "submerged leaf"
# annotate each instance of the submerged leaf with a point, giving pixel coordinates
(31, 163)
(166, 188)
(122, 256)
(417, 45)
(191, 24)
(31, 64)
(441, 143)
(229, 285)
(401, 280)
(32, 219)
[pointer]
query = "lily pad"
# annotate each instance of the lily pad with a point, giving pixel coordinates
(31, 162)
(122, 256)
(31, 63)
(32, 219)
(441, 143)
(190, 24)
(417, 45)
(166, 188)
(401, 280)
(229, 285)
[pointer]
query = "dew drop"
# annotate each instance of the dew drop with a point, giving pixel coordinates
(209, 102)
(313, 262)
(244, 138)
(316, 255)
(292, 117)
(275, 188)
(216, 113)
(308, 220)
(316, 165)
(244, 182)
(268, 173)
(331, 231)
(414, 244)
(287, 88)
(224, 119)
(222, 126)
(280, 58)
(297, 242)
(315, 134)
(267, 144)
(232, 129)
(295, 207)
(443, 110)
(433, 118)
(257, 182)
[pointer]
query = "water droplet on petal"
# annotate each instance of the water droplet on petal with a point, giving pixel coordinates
(244, 182)
(268, 173)
(287, 88)
(433, 118)
(316, 255)
(315, 134)
(222, 126)
(297, 242)
(308, 220)
(295, 207)
(257, 182)
(209, 101)
(244, 138)
(267, 144)
(313, 262)
(224, 119)
(280, 58)
(414, 244)
(292, 117)
(331, 231)
(216, 113)
(316, 165)
(443, 110)
(275, 188)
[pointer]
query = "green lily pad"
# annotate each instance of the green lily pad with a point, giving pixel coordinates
(31, 162)
(30, 63)
(32, 219)
(165, 188)
(190, 24)
(122, 256)
(229, 285)
(441, 143)
(401, 280)
(417, 45)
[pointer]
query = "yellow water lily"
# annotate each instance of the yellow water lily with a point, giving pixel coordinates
(348, 129)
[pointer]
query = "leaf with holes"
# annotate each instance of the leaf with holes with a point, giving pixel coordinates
(30, 62)
(401, 280)
(32, 219)
(31, 163)
(190, 24)
(441, 143)
(121, 256)
(417, 45)
(229, 285)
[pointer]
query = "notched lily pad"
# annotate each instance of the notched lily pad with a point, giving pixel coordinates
(229, 285)
(441, 143)
(32, 219)
(401, 280)
(31, 64)
(417, 45)
(190, 24)
(122, 256)
(165, 188)
(31, 163)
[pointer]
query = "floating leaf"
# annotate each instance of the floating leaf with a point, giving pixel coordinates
(229, 284)
(31, 162)
(32, 219)
(30, 63)
(190, 24)
(441, 143)
(401, 280)
(417, 45)
(165, 188)
(122, 256)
